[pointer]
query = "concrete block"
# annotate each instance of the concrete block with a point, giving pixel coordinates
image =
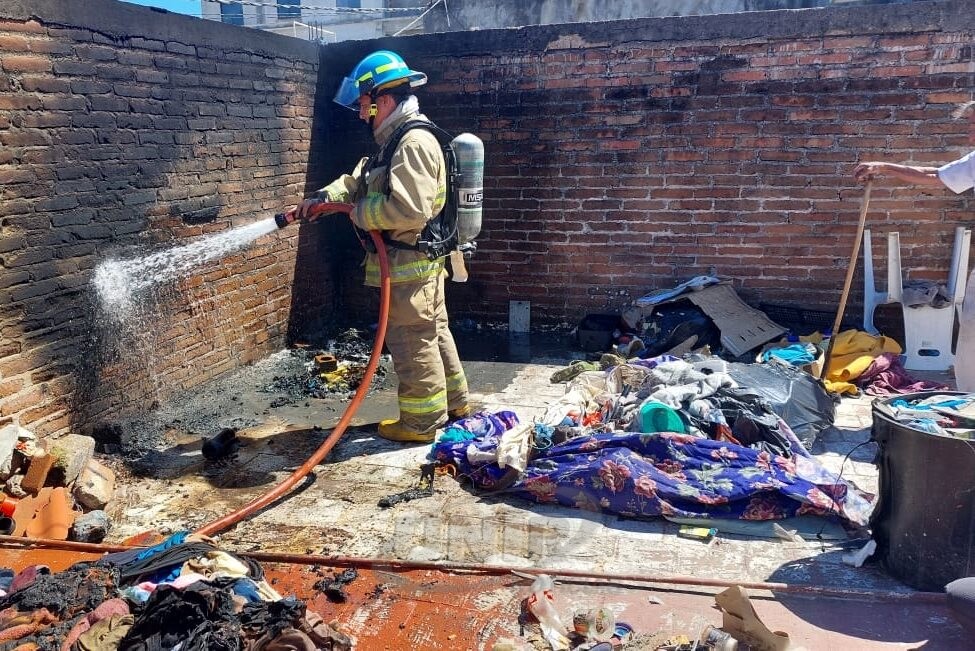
(8, 439)
(12, 486)
(95, 486)
(40, 465)
(72, 453)
(91, 527)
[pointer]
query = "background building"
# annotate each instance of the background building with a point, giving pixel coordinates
(461, 15)
(325, 21)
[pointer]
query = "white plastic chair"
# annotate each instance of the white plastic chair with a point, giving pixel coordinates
(927, 330)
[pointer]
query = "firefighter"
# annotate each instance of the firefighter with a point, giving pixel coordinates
(399, 201)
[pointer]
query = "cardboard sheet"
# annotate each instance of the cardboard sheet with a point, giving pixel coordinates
(742, 327)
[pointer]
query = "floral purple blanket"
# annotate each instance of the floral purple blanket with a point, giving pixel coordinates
(636, 474)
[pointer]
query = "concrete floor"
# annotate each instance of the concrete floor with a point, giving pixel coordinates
(337, 512)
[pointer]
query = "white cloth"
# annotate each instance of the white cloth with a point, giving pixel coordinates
(514, 447)
(512, 451)
(959, 175)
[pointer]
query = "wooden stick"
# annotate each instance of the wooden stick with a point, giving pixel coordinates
(849, 278)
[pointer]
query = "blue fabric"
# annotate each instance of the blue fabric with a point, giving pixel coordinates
(637, 474)
(136, 595)
(947, 403)
(454, 434)
(165, 575)
(925, 425)
(6, 578)
(794, 355)
(543, 436)
(477, 425)
(487, 424)
(247, 589)
(176, 539)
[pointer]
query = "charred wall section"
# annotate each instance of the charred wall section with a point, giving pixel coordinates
(124, 130)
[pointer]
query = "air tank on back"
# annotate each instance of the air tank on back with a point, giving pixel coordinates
(469, 152)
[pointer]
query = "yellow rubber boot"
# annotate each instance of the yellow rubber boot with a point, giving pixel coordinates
(460, 412)
(394, 430)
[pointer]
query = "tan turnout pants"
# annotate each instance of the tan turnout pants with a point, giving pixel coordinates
(431, 378)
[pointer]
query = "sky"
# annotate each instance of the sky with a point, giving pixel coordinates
(191, 7)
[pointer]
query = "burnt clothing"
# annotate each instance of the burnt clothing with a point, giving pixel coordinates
(80, 588)
(199, 617)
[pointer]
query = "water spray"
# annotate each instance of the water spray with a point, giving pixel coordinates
(117, 280)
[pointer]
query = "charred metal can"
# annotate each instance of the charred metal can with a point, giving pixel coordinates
(580, 623)
(717, 639)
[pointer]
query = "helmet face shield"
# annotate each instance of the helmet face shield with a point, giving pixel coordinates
(348, 94)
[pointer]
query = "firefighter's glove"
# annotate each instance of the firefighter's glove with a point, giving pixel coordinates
(303, 210)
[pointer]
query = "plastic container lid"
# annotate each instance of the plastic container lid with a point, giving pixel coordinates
(658, 417)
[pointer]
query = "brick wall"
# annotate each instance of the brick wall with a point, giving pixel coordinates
(621, 157)
(626, 156)
(124, 130)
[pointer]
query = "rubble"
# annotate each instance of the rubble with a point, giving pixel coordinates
(40, 466)
(91, 527)
(338, 368)
(43, 478)
(96, 486)
(72, 453)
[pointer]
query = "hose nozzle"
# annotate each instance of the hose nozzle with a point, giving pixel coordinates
(282, 219)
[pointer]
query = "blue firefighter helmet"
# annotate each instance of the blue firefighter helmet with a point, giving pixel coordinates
(378, 71)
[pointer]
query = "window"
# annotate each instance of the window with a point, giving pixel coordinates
(289, 9)
(351, 4)
(232, 13)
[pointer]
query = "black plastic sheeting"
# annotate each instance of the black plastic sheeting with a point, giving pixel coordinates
(798, 398)
(674, 323)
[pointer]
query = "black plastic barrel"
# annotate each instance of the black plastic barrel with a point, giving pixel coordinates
(924, 520)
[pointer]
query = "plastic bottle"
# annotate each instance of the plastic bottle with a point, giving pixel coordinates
(541, 603)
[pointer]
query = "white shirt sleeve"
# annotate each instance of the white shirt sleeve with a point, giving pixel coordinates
(959, 175)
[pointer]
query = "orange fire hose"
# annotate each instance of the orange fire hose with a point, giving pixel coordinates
(285, 486)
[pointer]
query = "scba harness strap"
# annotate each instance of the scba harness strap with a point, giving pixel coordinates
(439, 237)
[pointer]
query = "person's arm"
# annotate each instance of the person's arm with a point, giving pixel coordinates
(907, 173)
(339, 190)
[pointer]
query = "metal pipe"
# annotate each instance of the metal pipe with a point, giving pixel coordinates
(934, 598)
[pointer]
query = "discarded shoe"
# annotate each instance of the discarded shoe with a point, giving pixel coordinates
(460, 412)
(220, 445)
(394, 430)
(573, 370)
(742, 622)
